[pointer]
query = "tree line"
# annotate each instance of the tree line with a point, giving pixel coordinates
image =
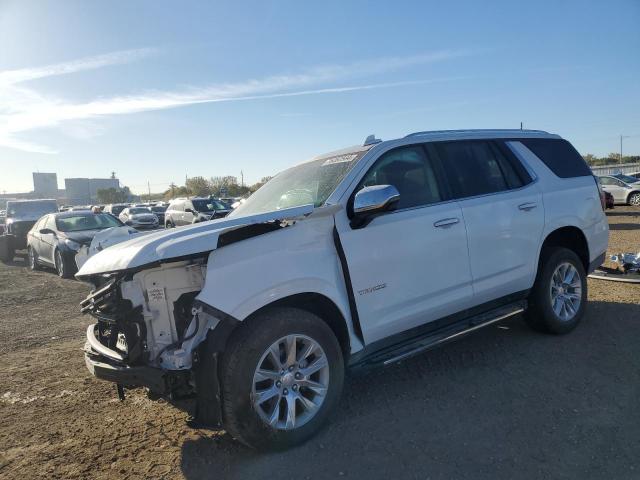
(226, 186)
(611, 159)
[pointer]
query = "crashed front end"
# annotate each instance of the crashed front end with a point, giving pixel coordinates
(150, 331)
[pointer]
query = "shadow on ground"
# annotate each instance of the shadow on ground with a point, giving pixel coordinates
(505, 402)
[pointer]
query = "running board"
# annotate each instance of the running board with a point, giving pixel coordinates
(397, 353)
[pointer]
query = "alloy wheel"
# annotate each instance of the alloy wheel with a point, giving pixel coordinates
(290, 382)
(59, 263)
(566, 291)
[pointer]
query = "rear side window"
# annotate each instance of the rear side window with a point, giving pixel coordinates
(559, 155)
(476, 168)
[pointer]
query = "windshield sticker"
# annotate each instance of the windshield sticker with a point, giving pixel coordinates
(340, 159)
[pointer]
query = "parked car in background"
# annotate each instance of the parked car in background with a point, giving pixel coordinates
(80, 208)
(115, 208)
(622, 191)
(185, 211)
(20, 217)
(635, 175)
(159, 210)
(630, 179)
(55, 239)
(358, 258)
(139, 217)
(3, 217)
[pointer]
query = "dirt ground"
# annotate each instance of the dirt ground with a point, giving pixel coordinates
(502, 403)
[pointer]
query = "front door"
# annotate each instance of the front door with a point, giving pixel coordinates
(410, 266)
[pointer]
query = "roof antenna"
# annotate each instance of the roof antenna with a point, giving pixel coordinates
(370, 140)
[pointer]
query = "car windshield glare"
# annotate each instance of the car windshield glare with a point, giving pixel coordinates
(31, 208)
(309, 183)
(78, 223)
(139, 210)
(625, 178)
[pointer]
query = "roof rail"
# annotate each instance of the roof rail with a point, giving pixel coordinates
(479, 130)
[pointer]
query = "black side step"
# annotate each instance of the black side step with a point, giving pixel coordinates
(420, 344)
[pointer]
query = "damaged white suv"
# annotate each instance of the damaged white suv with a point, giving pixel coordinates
(357, 258)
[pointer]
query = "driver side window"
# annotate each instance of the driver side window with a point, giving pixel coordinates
(410, 171)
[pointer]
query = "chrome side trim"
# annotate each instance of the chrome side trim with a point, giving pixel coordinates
(421, 348)
(100, 348)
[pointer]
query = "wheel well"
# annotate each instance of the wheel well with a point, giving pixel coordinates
(571, 238)
(631, 194)
(323, 307)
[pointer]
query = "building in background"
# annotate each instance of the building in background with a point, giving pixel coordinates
(83, 191)
(45, 185)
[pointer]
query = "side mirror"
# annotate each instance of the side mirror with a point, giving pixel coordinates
(46, 231)
(189, 210)
(372, 201)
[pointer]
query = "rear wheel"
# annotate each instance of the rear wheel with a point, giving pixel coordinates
(634, 199)
(559, 295)
(281, 377)
(64, 266)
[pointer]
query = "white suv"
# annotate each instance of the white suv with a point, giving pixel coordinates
(357, 258)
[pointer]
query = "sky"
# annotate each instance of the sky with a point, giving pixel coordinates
(157, 90)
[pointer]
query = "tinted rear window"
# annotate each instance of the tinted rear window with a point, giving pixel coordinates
(559, 155)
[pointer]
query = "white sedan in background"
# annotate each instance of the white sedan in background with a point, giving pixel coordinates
(139, 217)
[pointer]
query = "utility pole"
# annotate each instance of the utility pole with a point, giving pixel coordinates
(241, 178)
(621, 149)
(520, 125)
(149, 187)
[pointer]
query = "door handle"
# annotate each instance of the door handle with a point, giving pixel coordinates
(527, 206)
(446, 222)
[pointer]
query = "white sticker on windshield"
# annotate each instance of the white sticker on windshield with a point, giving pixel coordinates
(340, 159)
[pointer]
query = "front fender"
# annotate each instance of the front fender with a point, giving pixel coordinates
(301, 258)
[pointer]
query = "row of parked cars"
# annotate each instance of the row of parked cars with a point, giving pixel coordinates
(54, 235)
(620, 188)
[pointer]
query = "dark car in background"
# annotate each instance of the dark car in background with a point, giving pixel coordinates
(21, 215)
(159, 210)
(56, 238)
(185, 211)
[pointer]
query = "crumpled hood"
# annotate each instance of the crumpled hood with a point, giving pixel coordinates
(174, 243)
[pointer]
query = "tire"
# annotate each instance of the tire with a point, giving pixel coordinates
(634, 199)
(63, 265)
(169, 224)
(7, 252)
(33, 260)
(248, 348)
(556, 266)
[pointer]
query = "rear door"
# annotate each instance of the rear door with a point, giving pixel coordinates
(615, 187)
(187, 217)
(410, 266)
(503, 212)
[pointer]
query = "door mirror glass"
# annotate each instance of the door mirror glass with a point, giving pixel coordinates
(372, 201)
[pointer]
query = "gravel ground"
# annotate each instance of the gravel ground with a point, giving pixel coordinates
(503, 403)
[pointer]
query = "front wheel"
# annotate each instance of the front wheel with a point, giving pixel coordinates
(64, 266)
(559, 295)
(281, 377)
(33, 259)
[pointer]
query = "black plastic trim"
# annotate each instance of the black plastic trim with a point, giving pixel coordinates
(353, 308)
(596, 263)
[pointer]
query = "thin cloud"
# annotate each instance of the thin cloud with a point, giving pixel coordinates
(23, 109)
(12, 77)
